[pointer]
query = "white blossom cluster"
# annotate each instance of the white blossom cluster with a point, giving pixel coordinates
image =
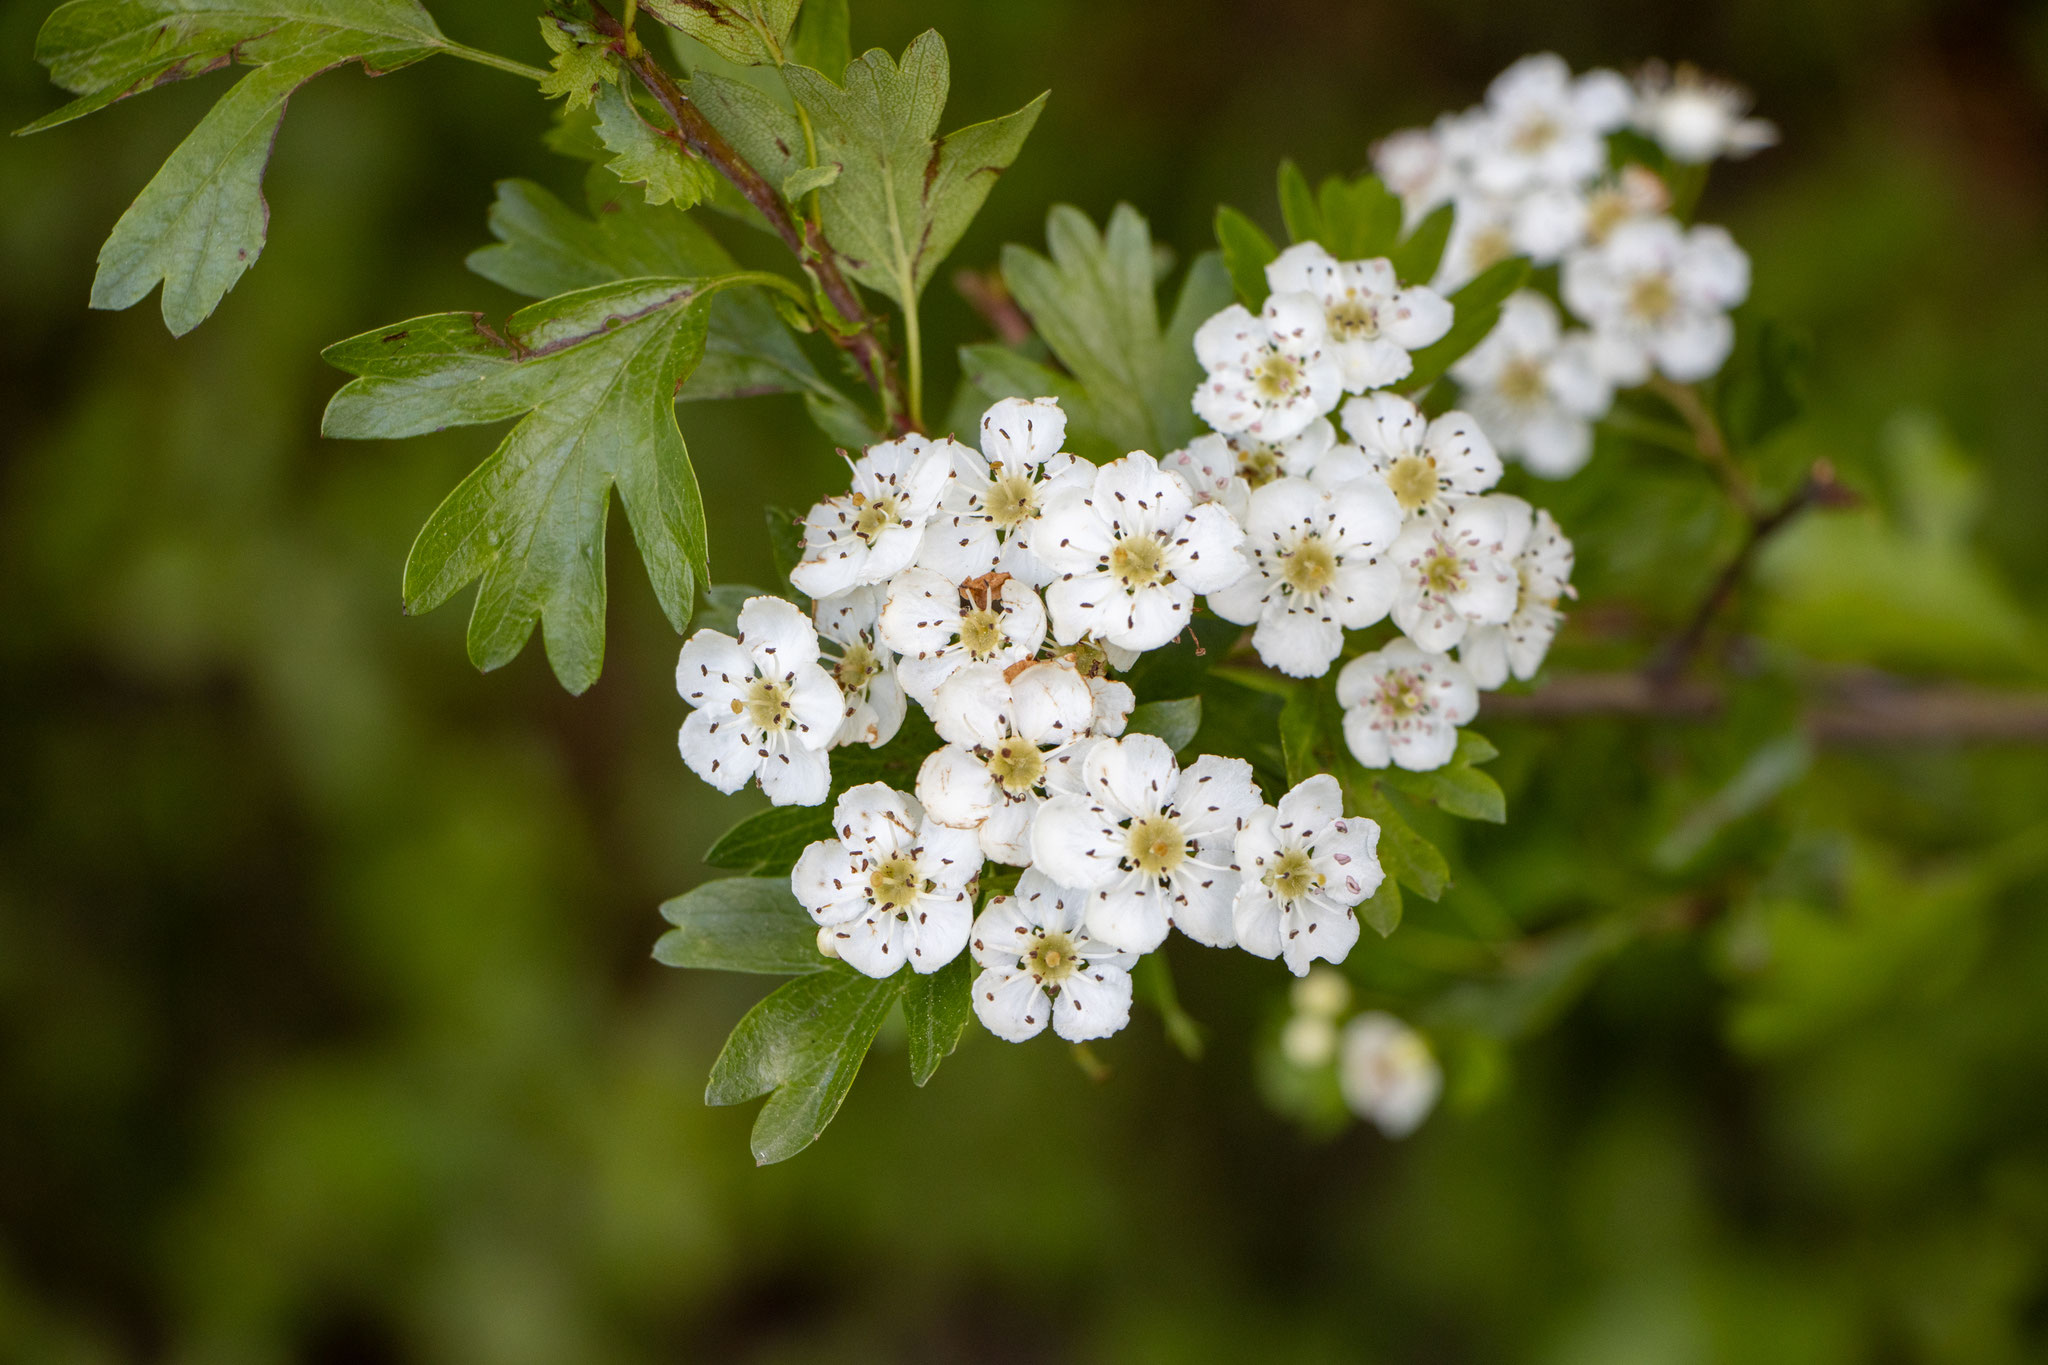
(1529, 173)
(1385, 1070)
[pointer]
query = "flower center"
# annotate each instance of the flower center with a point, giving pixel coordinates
(1522, 382)
(1354, 320)
(1139, 561)
(1311, 565)
(1012, 501)
(1054, 959)
(1401, 694)
(1278, 376)
(1490, 246)
(1651, 298)
(855, 667)
(1260, 465)
(1293, 876)
(1606, 210)
(874, 517)
(766, 704)
(1443, 573)
(1535, 134)
(1157, 847)
(981, 633)
(1413, 479)
(1017, 765)
(894, 884)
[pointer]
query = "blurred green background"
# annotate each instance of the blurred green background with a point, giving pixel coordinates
(328, 1030)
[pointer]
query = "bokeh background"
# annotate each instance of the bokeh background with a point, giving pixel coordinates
(328, 1027)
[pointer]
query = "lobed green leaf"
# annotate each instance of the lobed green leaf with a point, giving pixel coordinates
(1417, 256)
(750, 32)
(802, 1047)
(742, 924)
(772, 838)
(935, 1013)
(1475, 309)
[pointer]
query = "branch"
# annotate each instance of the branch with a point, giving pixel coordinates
(806, 242)
(1859, 709)
(987, 295)
(1709, 443)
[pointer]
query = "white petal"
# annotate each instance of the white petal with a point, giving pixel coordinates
(955, 788)
(1075, 843)
(1011, 1005)
(721, 748)
(793, 775)
(1093, 1003)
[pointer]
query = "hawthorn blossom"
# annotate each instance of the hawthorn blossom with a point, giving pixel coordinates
(1421, 165)
(940, 626)
(1659, 294)
(1226, 469)
(1485, 230)
(1131, 550)
(1535, 389)
(1152, 843)
(873, 531)
(1039, 965)
(1543, 126)
(1455, 573)
(1404, 706)
(1005, 741)
(1387, 1073)
(893, 886)
(865, 669)
(1371, 320)
(1696, 117)
(1318, 569)
(996, 494)
(1271, 374)
(765, 709)
(1543, 567)
(1305, 867)
(1309, 1038)
(1111, 703)
(1430, 466)
(1635, 191)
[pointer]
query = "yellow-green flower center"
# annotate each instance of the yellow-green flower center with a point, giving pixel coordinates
(1521, 381)
(855, 667)
(1278, 376)
(1651, 298)
(1536, 134)
(1139, 562)
(1156, 846)
(1018, 765)
(1400, 694)
(766, 704)
(1413, 479)
(981, 633)
(894, 884)
(1490, 246)
(1443, 573)
(1054, 959)
(1310, 565)
(1293, 876)
(1606, 210)
(1353, 319)
(1012, 501)
(1259, 465)
(874, 516)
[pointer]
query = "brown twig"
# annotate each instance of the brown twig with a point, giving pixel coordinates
(987, 295)
(806, 242)
(1685, 400)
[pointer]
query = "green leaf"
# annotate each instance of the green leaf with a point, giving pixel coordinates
(902, 199)
(1361, 218)
(654, 158)
(201, 221)
(750, 32)
(1774, 766)
(742, 924)
(545, 248)
(592, 376)
(802, 1047)
(582, 62)
(800, 183)
(935, 1013)
(1300, 732)
(785, 539)
(1298, 206)
(1405, 854)
(1457, 788)
(1763, 386)
(1152, 982)
(1246, 252)
(823, 40)
(1173, 721)
(721, 612)
(1093, 298)
(1417, 258)
(774, 837)
(763, 130)
(1382, 913)
(1474, 311)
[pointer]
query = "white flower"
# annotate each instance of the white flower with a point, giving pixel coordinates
(1543, 565)
(1305, 867)
(1111, 702)
(1317, 570)
(1271, 374)
(1657, 293)
(1005, 742)
(1535, 390)
(940, 626)
(873, 531)
(1404, 706)
(1484, 232)
(1456, 573)
(1132, 549)
(1635, 191)
(1421, 165)
(764, 708)
(1039, 965)
(1543, 127)
(864, 669)
(1152, 843)
(1695, 117)
(1225, 469)
(1371, 321)
(1387, 1073)
(893, 887)
(1431, 466)
(996, 495)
